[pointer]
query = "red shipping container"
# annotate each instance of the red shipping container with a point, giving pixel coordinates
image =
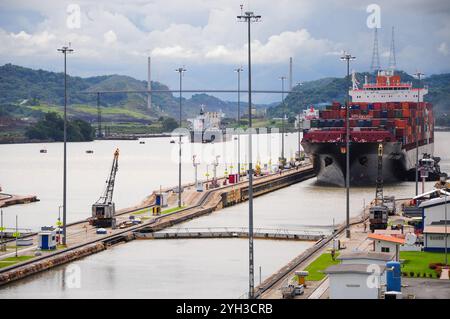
(400, 123)
(376, 123)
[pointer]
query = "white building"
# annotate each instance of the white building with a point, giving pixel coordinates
(387, 244)
(435, 236)
(366, 258)
(435, 217)
(355, 281)
(434, 210)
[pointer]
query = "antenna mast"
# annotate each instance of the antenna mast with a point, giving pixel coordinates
(375, 66)
(392, 60)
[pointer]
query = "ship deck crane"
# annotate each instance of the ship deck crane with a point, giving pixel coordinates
(379, 212)
(103, 211)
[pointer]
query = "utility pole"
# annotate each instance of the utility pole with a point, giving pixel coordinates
(419, 77)
(290, 74)
(238, 71)
(180, 71)
(347, 57)
(250, 17)
(99, 117)
(282, 78)
(65, 50)
(17, 234)
(149, 83)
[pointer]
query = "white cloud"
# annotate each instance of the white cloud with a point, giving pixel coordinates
(116, 35)
(443, 48)
(110, 37)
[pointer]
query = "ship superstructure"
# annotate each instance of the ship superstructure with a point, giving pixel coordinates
(206, 127)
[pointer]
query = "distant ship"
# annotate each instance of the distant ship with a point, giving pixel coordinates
(207, 127)
(386, 112)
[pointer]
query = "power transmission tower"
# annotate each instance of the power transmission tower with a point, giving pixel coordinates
(392, 60)
(375, 66)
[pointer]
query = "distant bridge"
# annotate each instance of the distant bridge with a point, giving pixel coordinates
(185, 91)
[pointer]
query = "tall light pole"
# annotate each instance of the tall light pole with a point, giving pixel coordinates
(180, 71)
(282, 78)
(299, 129)
(419, 76)
(99, 117)
(446, 234)
(65, 50)
(347, 57)
(238, 71)
(250, 17)
(2, 246)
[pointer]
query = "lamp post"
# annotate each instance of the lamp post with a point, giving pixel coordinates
(238, 71)
(419, 76)
(180, 71)
(249, 17)
(2, 246)
(282, 78)
(215, 164)
(195, 163)
(347, 57)
(65, 50)
(299, 129)
(445, 227)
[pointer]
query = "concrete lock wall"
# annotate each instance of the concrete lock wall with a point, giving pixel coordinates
(46, 263)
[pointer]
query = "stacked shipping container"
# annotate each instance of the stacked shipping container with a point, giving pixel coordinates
(405, 120)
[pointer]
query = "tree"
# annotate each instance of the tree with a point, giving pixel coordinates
(51, 127)
(169, 124)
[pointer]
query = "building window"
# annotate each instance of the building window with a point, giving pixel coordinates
(385, 249)
(436, 237)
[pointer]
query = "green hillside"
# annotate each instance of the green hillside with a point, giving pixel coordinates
(24, 91)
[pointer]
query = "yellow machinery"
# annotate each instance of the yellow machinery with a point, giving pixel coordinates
(156, 210)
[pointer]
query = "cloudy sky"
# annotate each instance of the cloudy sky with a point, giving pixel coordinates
(116, 36)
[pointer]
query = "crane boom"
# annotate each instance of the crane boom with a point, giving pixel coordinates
(379, 200)
(103, 211)
(107, 196)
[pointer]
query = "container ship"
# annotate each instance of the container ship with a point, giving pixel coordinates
(388, 112)
(207, 127)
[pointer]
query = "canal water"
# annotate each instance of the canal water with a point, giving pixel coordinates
(204, 268)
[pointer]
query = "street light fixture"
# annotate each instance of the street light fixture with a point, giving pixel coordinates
(347, 57)
(180, 71)
(249, 17)
(65, 50)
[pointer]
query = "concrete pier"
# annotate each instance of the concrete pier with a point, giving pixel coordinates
(9, 199)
